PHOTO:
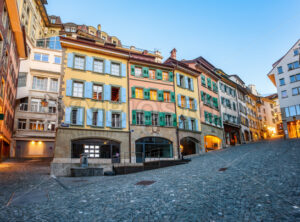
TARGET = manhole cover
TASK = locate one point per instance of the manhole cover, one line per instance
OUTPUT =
(223, 169)
(145, 182)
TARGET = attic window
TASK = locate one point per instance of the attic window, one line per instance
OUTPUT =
(115, 42)
(53, 21)
(115, 94)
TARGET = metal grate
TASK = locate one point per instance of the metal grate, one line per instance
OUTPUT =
(145, 182)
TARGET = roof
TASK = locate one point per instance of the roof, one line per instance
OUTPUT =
(272, 96)
(181, 65)
(236, 76)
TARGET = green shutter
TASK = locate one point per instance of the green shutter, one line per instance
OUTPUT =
(132, 70)
(209, 83)
(133, 117)
(146, 93)
(132, 92)
(210, 117)
(174, 120)
(162, 119)
(208, 99)
(216, 120)
(171, 76)
(145, 71)
(172, 97)
(158, 74)
(202, 96)
(160, 95)
(148, 120)
(203, 80)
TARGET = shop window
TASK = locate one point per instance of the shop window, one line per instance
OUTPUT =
(115, 94)
(97, 92)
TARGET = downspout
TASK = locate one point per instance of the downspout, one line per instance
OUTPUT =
(128, 69)
(177, 130)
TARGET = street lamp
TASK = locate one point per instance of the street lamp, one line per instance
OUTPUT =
(294, 118)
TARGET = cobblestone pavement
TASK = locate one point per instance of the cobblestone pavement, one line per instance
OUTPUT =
(261, 183)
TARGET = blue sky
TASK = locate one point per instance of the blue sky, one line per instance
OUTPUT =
(240, 37)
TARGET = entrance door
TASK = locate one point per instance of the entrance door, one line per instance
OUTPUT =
(140, 153)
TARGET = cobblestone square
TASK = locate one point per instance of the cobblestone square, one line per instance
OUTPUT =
(258, 182)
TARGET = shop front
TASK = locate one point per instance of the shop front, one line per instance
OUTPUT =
(232, 135)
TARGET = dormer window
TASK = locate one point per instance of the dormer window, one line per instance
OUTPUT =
(53, 21)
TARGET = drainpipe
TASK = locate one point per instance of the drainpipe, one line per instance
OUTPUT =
(177, 131)
(128, 69)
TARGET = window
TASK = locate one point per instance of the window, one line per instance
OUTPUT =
(165, 76)
(21, 123)
(115, 94)
(52, 106)
(53, 20)
(139, 93)
(139, 118)
(281, 81)
(79, 62)
(36, 105)
(74, 116)
(234, 106)
(295, 91)
(73, 29)
(292, 110)
(293, 65)
(167, 97)
(154, 119)
(50, 126)
(203, 83)
(116, 120)
(4, 17)
(78, 89)
(97, 92)
(279, 69)
(22, 79)
(168, 118)
(36, 125)
(296, 52)
(24, 104)
(189, 83)
(181, 80)
(98, 66)
(293, 79)
(265, 118)
(95, 118)
(39, 83)
(138, 72)
(183, 102)
(284, 94)
(153, 94)
(115, 69)
(93, 151)
(54, 85)
(152, 74)
(193, 124)
(57, 59)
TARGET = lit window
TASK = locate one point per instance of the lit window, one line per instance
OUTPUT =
(192, 104)
(167, 97)
(98, 66)
(138, 72)
(152, 74)
(78, 89)
(153, 94)
(97, 92)
(116, 121)
(115, 69)
(79, 62)
(36, 125)
(139, 93)
(165, 76)
(183, 102)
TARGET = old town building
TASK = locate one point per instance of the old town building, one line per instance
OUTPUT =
(210, 115)
(285, 76)
(12, 49)
(229, 109)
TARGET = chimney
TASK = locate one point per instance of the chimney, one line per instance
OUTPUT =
(99, 27)
(173, 53)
